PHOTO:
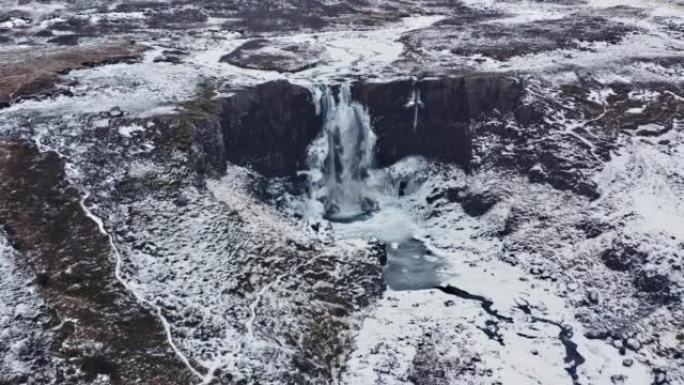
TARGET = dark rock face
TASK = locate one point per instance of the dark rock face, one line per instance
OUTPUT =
(431, 117)
(593, 228)
(269, 127)
(623, 257)
(652, 283)
(473, 203)
(45, 222)
(71, 39)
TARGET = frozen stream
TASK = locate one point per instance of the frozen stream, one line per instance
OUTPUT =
(410, 264)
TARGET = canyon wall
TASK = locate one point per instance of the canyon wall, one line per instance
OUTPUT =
(270, 126)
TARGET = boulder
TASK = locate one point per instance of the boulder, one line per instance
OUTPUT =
(650, 282)
(473, 203)
(623, 256)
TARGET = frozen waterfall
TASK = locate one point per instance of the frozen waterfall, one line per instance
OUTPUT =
(340, 159)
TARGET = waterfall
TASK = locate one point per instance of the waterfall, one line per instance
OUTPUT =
(341, 158)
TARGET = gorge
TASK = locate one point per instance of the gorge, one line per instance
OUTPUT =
(322, 192)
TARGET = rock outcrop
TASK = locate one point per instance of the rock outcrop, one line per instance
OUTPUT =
(431, 117)
(269, 127)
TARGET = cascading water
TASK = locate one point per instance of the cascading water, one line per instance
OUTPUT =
(343, 156)
(362, 202)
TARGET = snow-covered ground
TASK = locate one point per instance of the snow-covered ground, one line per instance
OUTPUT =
(245, 289)
(409, 326)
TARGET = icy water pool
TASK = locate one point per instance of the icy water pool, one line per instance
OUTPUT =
(410, 264)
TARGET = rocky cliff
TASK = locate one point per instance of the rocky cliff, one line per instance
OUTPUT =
(269, 127)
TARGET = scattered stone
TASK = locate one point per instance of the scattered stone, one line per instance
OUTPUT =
(510, 258)
(633, 344)
(618, 344)
(474, 204)
(652, 129)
(592, 228)
(65, 40)
(660, 377)
(170, 56)
(115, 112)
(593, 297)
(537, 173)
(651, 282)
(622, 256)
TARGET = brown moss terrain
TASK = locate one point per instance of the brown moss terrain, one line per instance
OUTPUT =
(102, 327)
(26, 72)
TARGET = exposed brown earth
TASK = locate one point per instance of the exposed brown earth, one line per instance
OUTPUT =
(101, 325)
(26, 72)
